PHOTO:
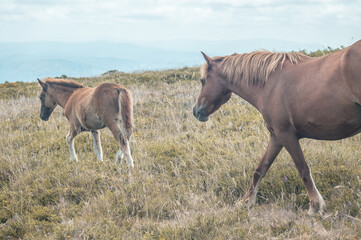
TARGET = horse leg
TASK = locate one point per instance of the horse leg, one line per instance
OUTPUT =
(124, 148)
(119, 156)
(70, 140)
(273, 149)
(292, 145)
(97, 144)
(124, 145)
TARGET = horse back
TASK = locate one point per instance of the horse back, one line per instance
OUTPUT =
(313, 99)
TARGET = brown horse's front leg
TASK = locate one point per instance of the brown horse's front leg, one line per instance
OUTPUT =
(291, 143)
(273, 149)
(97, 144)
(70, 140)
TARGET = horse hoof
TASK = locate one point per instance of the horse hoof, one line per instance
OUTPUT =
(249, 201)
(316, 207)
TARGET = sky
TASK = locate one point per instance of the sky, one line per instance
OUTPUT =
(327, 22)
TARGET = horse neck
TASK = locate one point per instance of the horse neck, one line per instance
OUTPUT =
(61, 95)
(250, 93)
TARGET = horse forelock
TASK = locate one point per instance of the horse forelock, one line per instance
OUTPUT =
(254, 67)
(204, 70)
(205, 66)
(63, 83)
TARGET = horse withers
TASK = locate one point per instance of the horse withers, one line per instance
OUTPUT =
(298, 97)
(90, 109)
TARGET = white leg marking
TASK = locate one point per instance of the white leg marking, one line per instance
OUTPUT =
(119, 156)
(250, 200)
(317, 203)
(128, 156)
(97, 146)
(71, 148)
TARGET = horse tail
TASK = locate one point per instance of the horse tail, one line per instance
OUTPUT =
(126, 110)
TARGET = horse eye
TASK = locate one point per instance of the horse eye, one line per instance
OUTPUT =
(202, 81)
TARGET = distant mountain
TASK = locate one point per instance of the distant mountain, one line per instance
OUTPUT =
(31, 60)
(28, 61)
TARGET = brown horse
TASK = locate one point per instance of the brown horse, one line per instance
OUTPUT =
(298, 97)
(90, 109)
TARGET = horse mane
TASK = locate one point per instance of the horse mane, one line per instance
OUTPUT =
(63, 83)
(255, 67)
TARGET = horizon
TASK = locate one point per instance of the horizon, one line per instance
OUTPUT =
(27, 61)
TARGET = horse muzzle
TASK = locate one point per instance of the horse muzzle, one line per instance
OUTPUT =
(44, 118)
(45, 113)
(199, 113)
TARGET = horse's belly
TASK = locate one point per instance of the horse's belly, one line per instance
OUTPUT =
(330, 130)
(92, 121)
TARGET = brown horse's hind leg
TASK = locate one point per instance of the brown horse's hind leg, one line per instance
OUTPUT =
(291, 143)
(125, 149)
(269, 156)
(123, 144)
(97, 144)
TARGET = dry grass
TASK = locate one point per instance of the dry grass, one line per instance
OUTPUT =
(187, 179)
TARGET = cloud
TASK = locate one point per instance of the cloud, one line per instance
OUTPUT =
(133, 19)
(200, 11)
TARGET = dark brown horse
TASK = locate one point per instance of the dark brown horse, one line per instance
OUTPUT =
(90, 109)
(298, 97)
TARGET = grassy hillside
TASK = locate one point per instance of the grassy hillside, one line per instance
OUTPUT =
(187, 179)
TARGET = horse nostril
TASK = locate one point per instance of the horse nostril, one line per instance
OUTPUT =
(194, 111)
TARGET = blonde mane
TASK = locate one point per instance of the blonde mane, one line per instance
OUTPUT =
(63, 83)
(254, 67)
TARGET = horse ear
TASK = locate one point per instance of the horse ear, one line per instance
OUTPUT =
(208, 59)
(43, 84)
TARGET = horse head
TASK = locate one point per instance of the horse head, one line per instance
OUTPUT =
(214, 92)
(47, 102)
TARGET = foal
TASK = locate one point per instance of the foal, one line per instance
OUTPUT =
(90, 109)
